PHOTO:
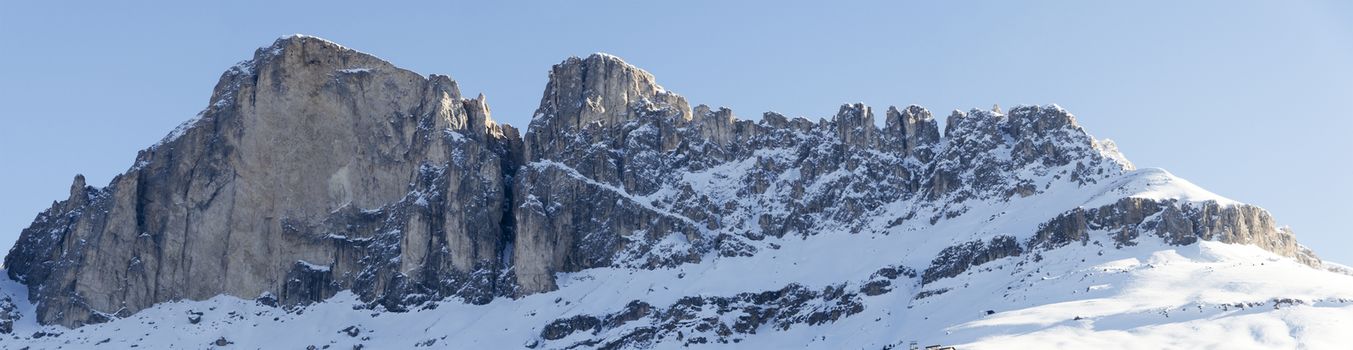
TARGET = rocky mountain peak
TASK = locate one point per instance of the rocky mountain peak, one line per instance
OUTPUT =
(913, 127)
(598, 92)
(855, 125)
(301, 57)
(590, 110)
(77, 187)
(313, 50)
(1051, 128)
(602, 89)
(1025, 120)
(718, 126)
(318, 169)
(305, 134)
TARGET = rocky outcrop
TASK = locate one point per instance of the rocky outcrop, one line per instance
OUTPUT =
(1179, 223)
(592, 147)
(9, 313)
(699, 320)
(954, 260)
(1124, 223)
(317, 169)
(912, 132)
(310, 154)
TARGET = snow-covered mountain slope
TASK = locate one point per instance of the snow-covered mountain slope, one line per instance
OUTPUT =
(834, 290)
(1150, 296)
(326, 197)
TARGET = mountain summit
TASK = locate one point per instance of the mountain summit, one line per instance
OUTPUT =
(322, 180)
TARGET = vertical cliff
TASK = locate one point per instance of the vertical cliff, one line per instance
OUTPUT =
(288, 185)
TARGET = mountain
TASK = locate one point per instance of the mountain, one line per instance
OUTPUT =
(326, 198)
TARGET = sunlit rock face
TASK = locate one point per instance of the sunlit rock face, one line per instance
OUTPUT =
(317, 169)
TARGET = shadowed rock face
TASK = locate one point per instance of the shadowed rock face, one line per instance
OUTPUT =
(317, 169)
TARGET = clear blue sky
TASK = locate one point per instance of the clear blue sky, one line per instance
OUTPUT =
(1250, 99)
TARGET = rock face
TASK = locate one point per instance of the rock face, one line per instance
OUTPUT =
(8, 314)
(317, 169)
(640, 325)
(1178, 223)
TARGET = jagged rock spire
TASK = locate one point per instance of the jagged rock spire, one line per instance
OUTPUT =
(855, 125)
(913, 127)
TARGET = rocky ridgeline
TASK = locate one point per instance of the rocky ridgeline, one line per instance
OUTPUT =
(317, 169)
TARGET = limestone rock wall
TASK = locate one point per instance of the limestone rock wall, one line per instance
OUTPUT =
(305, 136)
(317, 169)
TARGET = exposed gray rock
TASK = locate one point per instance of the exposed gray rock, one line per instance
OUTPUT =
(912, 131)
(698, 320)
(318, 169)
(310, 153)
(1178, 223)
(596, 142)
(956, 259)
(8, 314)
